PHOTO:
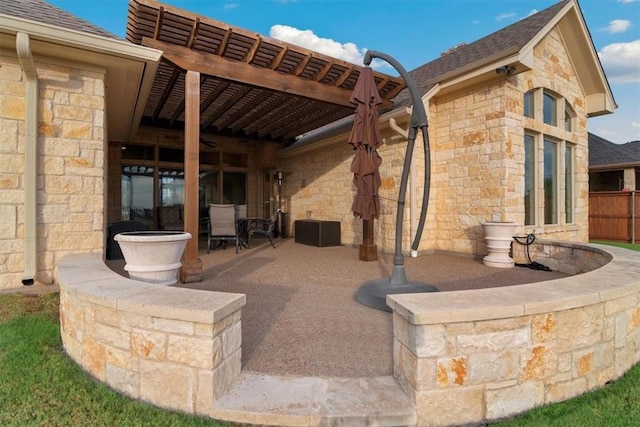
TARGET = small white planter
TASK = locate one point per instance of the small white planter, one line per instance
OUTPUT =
(499, 236)
(153, 256)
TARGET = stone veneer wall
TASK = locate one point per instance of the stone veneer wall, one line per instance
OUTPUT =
(472, 356)
(172, 347)
(70, 184)
(319, 186)
(477, 151)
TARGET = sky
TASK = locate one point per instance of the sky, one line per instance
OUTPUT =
(415, 32)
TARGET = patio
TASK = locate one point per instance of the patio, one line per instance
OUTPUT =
(301, 317)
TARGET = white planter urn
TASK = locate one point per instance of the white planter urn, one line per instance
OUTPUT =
(499, 236)
(153, 256)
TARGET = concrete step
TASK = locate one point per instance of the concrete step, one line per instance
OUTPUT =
(315, 401)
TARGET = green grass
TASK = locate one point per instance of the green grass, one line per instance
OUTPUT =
(635, 247)
(40, 385)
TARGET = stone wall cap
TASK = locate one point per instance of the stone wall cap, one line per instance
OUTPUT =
(618, 278)
(87, 274)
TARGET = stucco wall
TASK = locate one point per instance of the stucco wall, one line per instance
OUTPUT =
(71, 134)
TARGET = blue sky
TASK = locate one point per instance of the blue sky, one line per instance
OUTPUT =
(415, 32)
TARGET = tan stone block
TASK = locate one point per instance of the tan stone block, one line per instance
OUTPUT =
(618, 305)
(124, 381)
(72, 112)
(226, 373)
(130, 321)
(173, 326)
(87, 101)
(543, 328)
(148, 345)
(452, 406)
(565, 390)
(493, 367)
(451, 371)
(231, 339)
(77, 130)
(110, 336)
(118, 357)
(15, 89)
(167, 385)
(539, 362)
(61, 148)
(12, 107)
(12, 164)
(94, 358)
(195, 352)
(580, 327)
(509, 401)
(8, 222)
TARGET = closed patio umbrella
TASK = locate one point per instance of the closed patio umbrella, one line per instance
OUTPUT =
(365, 138)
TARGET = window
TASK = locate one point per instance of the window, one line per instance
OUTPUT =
(529, 104)
(549, 159)
(529, 180)
(568, 182)
(550, 182)
(569, 114)
(550, 110)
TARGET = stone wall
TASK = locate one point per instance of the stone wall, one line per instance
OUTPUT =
(473, 356)
(477, 160)
(172, 347)
(70, 184)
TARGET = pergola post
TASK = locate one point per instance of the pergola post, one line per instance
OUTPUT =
(191, 270)
(368, 249)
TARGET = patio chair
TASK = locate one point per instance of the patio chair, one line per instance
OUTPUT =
(222, 226)
(263, 227)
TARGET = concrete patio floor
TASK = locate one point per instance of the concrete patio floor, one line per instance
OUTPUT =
(301, 317)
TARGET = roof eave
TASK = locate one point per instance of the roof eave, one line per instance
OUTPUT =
(130, 68)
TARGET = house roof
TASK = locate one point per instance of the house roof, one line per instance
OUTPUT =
(512, 46)
(504, 42)
(40, 11)
(605, 154)
(55, 33)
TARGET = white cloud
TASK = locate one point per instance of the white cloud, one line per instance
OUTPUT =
(621, 62)
(504, 16)
(307, 39)
(635, 125)
(230, 6)
(617, 26)
(533, 12)
(627, 1)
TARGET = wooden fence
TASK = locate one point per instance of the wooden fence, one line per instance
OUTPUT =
(615, 215)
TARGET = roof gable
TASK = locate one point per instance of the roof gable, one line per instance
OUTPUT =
(513, 46)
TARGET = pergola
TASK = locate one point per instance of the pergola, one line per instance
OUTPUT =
(216, 79)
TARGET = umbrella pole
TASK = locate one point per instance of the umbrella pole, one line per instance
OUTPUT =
(368, 249)
(374, 293)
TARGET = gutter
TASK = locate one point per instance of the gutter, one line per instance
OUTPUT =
(23, 49)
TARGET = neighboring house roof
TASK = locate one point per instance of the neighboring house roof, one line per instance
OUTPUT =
(604, 154)
(41, 11)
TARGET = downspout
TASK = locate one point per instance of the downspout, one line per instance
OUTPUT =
(412, 185)
(23, 49)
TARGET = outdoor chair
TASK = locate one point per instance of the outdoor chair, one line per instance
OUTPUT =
(263, 227)
(222, 226)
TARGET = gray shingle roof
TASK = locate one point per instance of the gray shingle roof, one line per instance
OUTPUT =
(41, 11)
(603, 152)
(511, 38)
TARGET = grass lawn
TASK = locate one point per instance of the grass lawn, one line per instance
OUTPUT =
(635, 247)
(40, 385)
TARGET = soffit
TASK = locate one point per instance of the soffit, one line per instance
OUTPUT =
(251, 86)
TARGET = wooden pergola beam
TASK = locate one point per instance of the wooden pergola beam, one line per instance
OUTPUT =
(220, 67)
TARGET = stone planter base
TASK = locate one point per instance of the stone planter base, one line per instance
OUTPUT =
(499, 236)
(153, 256)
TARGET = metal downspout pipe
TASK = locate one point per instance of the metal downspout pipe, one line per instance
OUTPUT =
(412, 185)
(23, 50)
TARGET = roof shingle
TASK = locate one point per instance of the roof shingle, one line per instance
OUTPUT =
(43, 12)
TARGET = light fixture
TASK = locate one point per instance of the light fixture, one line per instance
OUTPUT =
(506, 69)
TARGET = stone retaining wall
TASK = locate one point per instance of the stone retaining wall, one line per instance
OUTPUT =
(472, 356)
(172, 347)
